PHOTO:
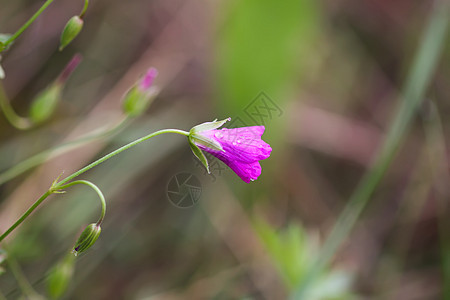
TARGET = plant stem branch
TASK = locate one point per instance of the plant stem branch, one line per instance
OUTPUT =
(59, 185)
(12, 117)
(96, 189)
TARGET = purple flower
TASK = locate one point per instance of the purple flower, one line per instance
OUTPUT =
(239, 148)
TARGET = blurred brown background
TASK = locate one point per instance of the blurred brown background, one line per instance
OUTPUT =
(323, 77)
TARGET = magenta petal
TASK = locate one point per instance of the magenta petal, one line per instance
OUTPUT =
(243, 149)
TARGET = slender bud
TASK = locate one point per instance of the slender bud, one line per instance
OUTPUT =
(87, 238)
(72, 29)
(140, 96)
(45, 103)
(60, 277)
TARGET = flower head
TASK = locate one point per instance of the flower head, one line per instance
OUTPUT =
(239, 148)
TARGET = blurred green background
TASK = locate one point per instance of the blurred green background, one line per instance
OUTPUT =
(323, 77)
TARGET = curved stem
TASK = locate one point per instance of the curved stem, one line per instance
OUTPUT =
(28, 23)
(121, 149)
(83, 12)
(45, 155)
(56, 186)
(12, 117)
(96, 189)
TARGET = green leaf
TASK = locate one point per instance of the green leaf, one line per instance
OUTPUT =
(199, 154)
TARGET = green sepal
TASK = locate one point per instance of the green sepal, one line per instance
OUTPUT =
(87, 238)
(209, 125)
(70, 31)
(199, 154)
(204, 141)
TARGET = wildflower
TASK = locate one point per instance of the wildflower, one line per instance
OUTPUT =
(239, 148)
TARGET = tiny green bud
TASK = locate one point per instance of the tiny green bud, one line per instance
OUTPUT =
(72, 29)
(140, 96)
(87, 238)
(45, 103)
(60, 277)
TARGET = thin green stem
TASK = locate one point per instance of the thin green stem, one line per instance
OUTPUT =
(423, 67)
(121, 149)
(12, 117)
(28, 23)
(25, 215)
(96, 189)
(57, 186)
(45, 155)
(83, 12)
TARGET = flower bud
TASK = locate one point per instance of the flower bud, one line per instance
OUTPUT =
(87, 238)
(140, 96)
(60, 277)
(45, 103)
(72, 29)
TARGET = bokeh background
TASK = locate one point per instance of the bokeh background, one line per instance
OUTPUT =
(324, 77)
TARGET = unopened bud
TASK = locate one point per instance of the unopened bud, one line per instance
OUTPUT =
(72, 29)
(45, 103)
(87, 238)
(60, 277)
(140, 96)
